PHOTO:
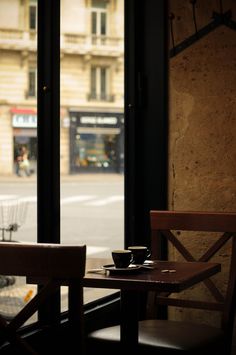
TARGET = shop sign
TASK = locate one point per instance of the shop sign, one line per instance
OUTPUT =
(24, 120)
(98, 120)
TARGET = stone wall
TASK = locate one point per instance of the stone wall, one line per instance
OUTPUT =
(202, 144)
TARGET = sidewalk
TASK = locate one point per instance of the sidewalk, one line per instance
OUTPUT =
(93, 177)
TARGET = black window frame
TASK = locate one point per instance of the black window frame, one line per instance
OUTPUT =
(146, 122)
(48, 132)
(146, 115)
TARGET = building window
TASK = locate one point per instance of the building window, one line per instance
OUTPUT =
(99, 84)
(33, 15)
(32, 82)
(99, 21)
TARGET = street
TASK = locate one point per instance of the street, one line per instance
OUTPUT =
(92, 211)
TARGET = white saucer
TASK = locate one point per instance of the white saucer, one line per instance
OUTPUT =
(148, 262)
(131, 268)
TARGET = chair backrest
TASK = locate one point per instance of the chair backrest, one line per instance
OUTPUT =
(53, 265)
(170, 224)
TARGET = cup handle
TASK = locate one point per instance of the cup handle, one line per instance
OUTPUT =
(148, 253)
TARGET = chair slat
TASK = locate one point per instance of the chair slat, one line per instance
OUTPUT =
(31, 307)
(194, 221)
(190, 304)
(178, 245)
(50, 260)
(216, 247)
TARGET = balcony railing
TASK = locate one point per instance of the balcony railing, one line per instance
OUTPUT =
(17, 39)
(87, 44)
(100, 97)
(70, 43)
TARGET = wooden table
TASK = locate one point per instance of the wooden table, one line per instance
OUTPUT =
(185, 275)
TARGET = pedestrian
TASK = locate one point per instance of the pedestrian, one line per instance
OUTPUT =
(22, 162)
(18, 161)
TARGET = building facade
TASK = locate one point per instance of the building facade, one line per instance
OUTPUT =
(92, 84)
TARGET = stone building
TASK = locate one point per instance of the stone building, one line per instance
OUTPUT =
(92, 93)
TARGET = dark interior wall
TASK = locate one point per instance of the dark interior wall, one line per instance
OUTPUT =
(202, 128)
(202, 147)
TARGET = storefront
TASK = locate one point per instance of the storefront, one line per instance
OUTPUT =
(96, 142)
(24, 124)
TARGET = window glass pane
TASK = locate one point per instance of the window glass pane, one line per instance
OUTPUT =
(103, 72)
(18, 140)
(94, 23)
(100, 4)
(32, 17)
(32, 82)
(96, 150)
(92, 131)
(103, 23)
(93, 82)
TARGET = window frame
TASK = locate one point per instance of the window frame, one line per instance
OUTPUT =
(146, 96)
(96, 83)
(146, 140)
(97, 13)
(48, 132)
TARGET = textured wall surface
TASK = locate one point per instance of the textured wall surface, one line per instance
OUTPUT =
(202, 144)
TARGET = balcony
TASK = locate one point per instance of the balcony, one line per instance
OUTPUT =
(100, 97)
(92, 45)
(14, 39)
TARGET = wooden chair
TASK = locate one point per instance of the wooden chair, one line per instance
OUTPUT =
(54, 265)
(161, 336)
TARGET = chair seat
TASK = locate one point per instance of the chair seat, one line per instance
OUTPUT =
(166, 336)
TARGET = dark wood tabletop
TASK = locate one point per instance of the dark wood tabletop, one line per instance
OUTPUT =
(167, 276)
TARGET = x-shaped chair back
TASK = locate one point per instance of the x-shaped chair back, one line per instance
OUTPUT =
(165, 224)
(56, 265)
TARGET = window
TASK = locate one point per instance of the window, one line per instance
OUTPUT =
(92, 212)
(33, 15)
(99, 84)
(92, 134)
(19, 140)
(99, 21)
(32, 82)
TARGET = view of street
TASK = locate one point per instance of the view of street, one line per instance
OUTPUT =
(92, 213)
(92, 210)
(91, 119)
